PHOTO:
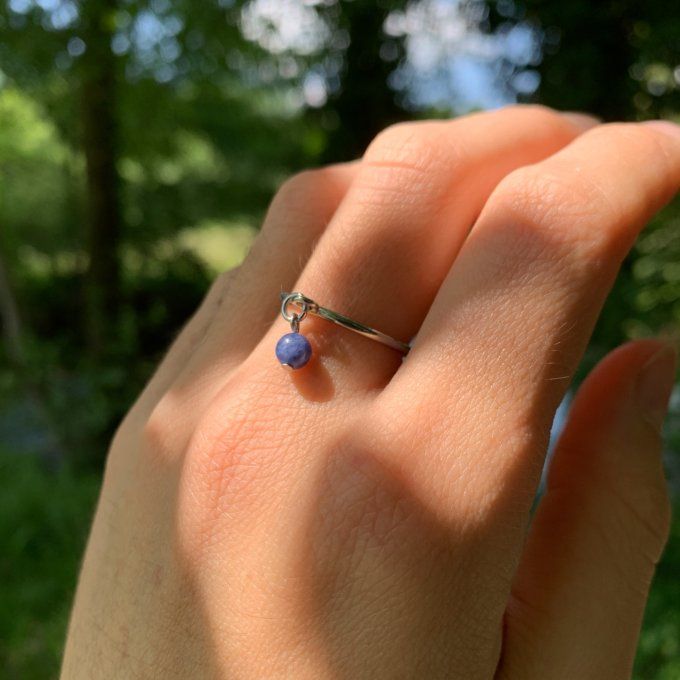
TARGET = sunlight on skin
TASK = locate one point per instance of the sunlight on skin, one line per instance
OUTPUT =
(367, 518)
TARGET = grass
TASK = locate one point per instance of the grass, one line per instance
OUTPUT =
(44, 519)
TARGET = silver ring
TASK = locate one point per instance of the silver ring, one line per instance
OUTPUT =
(308, 306)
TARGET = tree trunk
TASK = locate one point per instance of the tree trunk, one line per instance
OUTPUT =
(98, 101)
(11, 324)
(365, 104)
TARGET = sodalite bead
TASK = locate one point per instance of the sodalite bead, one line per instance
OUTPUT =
(293, 350)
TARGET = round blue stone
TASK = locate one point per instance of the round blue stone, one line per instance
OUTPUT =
(293, 350)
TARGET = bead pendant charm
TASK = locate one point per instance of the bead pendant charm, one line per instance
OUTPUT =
(293, 351)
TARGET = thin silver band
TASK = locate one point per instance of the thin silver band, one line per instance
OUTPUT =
(308, 306)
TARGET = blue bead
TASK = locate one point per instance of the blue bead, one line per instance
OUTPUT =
(293, 350)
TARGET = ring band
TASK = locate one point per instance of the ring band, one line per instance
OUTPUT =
(293, 350)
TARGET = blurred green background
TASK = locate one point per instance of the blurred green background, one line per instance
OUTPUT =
(140, 143)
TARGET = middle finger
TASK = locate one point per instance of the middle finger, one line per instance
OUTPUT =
(511, 321)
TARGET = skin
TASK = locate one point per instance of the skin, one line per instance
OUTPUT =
(368, 518)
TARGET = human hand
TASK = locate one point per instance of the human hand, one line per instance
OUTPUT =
(367, 518)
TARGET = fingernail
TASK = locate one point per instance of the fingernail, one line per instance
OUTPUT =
(666, 126)
(583, 121)
(655, 384)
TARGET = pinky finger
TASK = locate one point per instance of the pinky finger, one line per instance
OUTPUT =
(582, 585)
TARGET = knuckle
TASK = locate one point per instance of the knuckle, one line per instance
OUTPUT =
(390, 138)
(308, 198)
(221, 286)
(158, 428)
(539, 195)
(569, 208)
(233, 452)
(230, 461)
(407, 160)
(409, 146)
(540, 117)
(638, 140)
(296, 193)
(223, 280)
(218, 288)
(644, 149)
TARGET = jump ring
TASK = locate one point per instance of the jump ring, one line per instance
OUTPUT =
(291, 298)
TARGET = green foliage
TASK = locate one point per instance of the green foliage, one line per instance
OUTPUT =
(160, 291)
(44, 518)
(34, 161)
(658, 656)
(656, 272)
(207, 119)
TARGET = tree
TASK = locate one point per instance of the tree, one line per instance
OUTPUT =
(99, 104)
(364, 103)
(615, 58)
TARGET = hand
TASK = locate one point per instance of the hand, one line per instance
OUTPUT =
(364, 518)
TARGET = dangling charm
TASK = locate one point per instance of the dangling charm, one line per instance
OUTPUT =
(293, 349)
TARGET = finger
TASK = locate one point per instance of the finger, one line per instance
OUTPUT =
(237, 310)
(580, 592)
(391, 242)
(298, 216)
(510, 323)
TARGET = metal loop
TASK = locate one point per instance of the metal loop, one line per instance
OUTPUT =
(294, 318)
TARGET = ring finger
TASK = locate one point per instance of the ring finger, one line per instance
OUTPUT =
(510, 324)
(235, 314)
(395, 235)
